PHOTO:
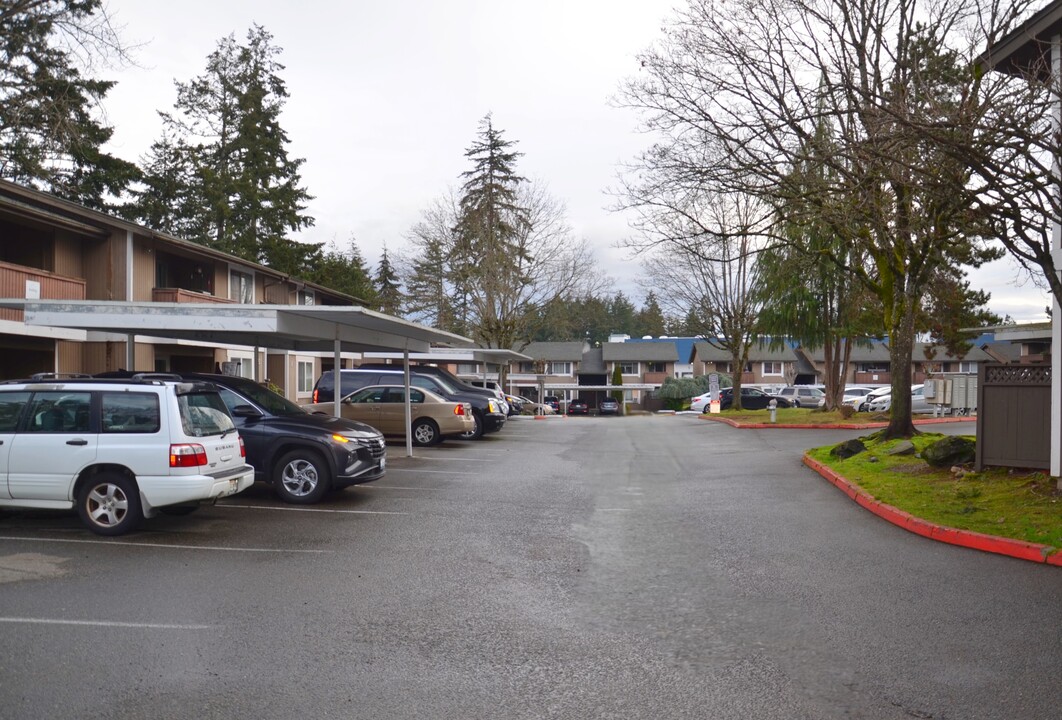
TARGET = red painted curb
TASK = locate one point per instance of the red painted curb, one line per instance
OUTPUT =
(1034, 552)
(810, 426)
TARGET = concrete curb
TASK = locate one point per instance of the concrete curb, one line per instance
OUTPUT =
(818, 426)
(1021, 549)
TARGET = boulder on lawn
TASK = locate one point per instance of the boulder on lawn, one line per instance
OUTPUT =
(904, 447)
(847, 449)
(954, 450)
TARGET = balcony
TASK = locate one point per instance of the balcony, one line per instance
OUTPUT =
(13, 279)
(655, 378)
(179, 295)
(877, 377)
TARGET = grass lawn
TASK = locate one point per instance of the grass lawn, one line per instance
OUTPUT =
(1023, 505)
(802, 416)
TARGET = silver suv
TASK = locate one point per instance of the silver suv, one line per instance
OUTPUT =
(802, 396)
(118, 451)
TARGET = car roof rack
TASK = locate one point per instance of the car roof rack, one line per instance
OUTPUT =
(38, 377)
(157, 376)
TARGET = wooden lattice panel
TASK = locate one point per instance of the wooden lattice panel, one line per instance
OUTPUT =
(1018, 375)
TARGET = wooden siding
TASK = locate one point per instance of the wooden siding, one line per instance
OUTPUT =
(53, 287)
(177, 295)
(143, 271)
(69, 258)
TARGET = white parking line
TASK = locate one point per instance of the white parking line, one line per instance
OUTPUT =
(125, 543)
(392, 468)
(395, 487)
(458, 459)
(311, 510)
(103, 623)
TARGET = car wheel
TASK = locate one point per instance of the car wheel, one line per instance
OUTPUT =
(109, 504)
(477, 432)
(426, 432)
(301, 477)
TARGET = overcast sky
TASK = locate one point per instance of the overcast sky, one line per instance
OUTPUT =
(386, 96)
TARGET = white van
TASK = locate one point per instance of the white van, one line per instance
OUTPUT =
(118, 451)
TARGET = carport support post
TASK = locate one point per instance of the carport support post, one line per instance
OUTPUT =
(337, 380)
(409, 412)
(1056, 315)
(130, 352)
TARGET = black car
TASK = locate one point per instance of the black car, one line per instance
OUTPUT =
(751, 399)
(608, 406)
(578, 407)
(553, 401)
(487, 411)
(302, 455)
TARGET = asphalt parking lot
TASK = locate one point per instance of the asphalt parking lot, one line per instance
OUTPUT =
(637, 567)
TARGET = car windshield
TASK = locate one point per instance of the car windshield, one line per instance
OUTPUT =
(264, 398)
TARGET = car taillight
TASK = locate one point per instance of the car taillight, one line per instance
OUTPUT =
(189, 455)
(459, 409)
(243, 450)
(315, 395)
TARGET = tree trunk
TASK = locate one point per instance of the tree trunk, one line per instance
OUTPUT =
(901, 347)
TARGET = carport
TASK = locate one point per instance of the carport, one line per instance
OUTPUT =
(310, 328)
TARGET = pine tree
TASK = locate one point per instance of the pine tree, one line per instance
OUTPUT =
(223, 166)
(50, 137)
(388, 286)
(650, 319)
(344, 271)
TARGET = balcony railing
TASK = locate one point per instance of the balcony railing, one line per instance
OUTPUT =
(878, 378)
(180, 295)
(13, 280)
(655, 377)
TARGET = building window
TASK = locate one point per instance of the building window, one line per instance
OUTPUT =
(772, 368)
(305, 372)
(559, 368)
(240, 366)
(305, 297)
(730, 368)
(468, 369)
(526, 368)
(241, 287)
(628, 368)
(656, 367)
(873, 367)
(967, 367)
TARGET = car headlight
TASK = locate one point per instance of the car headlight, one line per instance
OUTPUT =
(491, 407)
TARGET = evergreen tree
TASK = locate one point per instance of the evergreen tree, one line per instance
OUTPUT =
(223, 166)
(650, 319)
(388, 287)
(344, 271)
(490, 251)
(429, 300)
(50, 135)
(621, 313)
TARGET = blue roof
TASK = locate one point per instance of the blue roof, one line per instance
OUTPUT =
(684, 345)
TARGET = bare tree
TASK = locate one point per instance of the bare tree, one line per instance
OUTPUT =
(739, 92)
(496, 304)
(712, 275)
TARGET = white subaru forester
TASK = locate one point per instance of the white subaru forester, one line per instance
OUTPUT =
(117, 450)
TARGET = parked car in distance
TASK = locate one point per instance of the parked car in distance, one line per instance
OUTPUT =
(751, 399)
(700, 402)
(853, 391)
(384, 408)
(578, 407)
(118, 450)
(448, 378)
(862, 403)
(489, 413)
(919, 404)
(802, 396)
(301, 454)
(553, 401)
(516, 405)
(608, 406)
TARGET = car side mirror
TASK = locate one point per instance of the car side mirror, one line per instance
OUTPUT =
(246, 411)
